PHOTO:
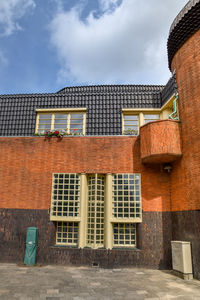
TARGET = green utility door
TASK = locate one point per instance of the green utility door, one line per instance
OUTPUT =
(31, 246)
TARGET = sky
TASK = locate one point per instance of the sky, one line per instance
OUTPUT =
(46, 45)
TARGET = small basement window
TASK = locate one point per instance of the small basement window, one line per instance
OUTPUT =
(67, 233)
(124, 235)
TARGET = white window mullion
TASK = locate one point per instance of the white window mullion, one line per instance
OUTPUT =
(95, 212)
(84, 124)
(83, 212)
(37, 123)
(68, 123)
(141, 119)
(108, 239)
(52, 121)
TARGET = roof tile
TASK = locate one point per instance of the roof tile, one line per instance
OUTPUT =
(104, 105)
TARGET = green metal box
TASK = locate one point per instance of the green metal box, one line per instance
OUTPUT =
(31, 246)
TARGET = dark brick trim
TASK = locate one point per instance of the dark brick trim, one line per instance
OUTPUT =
(154, 236)
(186, 227)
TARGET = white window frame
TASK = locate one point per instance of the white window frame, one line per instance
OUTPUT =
(68, 111)
(109, 220)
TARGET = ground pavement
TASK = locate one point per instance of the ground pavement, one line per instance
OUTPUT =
(92, 283)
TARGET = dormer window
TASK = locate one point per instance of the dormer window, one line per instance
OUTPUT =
(132, 120)
(151, 117)
(131, 124)
(61, 120)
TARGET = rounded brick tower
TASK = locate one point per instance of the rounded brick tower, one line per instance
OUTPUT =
(184, 58)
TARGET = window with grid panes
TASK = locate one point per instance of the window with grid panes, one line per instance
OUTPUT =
(126, 196)
(65, 207)
(61, 121)
(131, 124)
(126, 208)
(67, 233)
(151, 117)
(124, 234)
(65, 195)
(95, 230)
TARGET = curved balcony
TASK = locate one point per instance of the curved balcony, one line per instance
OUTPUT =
(160, 141)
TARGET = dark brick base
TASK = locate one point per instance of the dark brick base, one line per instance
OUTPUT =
(154, 236)
(186, 227)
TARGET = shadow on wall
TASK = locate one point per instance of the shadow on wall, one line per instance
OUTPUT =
(154, 234)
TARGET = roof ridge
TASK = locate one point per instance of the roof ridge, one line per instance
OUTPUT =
(184, 26)
(28, 94)
(114, 88)
(188, 6)
(85, 91)
(76, 93)
(111, 85)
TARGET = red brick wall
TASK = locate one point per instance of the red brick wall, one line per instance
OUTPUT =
(160, 141)
(27, 164)
(186, 173)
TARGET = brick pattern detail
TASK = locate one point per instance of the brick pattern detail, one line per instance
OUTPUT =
(27, 165)
(160, 141)
(186, 173)
(154, 236)
(185, 177)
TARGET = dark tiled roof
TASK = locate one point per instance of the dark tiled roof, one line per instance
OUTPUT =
(169, 89)
(182, 13)
(111, 89)
(185, 24)
(104, 106)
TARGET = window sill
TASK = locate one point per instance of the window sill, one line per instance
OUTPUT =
(126, 248)
(87, 248)
(63, 247)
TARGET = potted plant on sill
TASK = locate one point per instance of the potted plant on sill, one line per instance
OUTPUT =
(59, 134)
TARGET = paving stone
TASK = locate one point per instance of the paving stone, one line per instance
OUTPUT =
(2, 291)
(141, 292)
(95, 283)
(77, 283)
(52, 298)
(51, 291)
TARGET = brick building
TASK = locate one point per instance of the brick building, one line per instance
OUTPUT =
(124, 179)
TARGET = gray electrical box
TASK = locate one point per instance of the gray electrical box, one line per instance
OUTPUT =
(182, 259)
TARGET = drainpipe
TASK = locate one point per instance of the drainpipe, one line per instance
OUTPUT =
(174, 114)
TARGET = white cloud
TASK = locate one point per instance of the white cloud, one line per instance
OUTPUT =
(108, 5)
(3, 59)
(11, 11)
(125, 45)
